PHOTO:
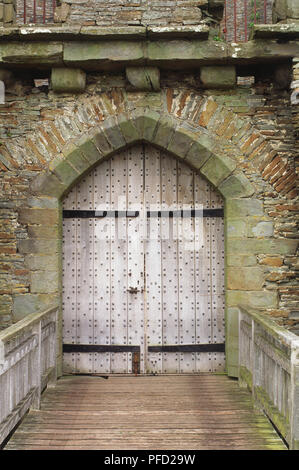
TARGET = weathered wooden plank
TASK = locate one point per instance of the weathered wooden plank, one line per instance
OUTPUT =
(101, 265)
(153, 312)
(186, 274)
(169, 263)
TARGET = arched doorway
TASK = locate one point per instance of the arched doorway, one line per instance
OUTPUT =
(143, 282)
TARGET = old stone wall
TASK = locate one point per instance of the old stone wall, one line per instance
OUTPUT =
(119, 12)
(253, 126)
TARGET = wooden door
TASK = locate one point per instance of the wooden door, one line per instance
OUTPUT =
(143, 268)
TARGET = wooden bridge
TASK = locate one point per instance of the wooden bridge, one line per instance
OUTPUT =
(202, 411)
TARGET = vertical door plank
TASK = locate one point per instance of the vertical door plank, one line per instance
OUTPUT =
(119, 306)
(85, 270)
(169, 262)
(186, 267)
(69, 282)
(135, 253)
(152, 198)
(202, 275)
(217, 281)
(101, 260)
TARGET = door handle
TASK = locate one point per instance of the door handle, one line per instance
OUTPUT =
(134, 290)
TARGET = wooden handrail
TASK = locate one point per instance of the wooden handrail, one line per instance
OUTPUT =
(269, 367)
(27, 366)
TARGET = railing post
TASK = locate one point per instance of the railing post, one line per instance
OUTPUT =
(37, 367)
(294, 444)
(253, 360)
(53, 352)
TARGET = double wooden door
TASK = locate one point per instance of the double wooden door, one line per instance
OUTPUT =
(143, 268)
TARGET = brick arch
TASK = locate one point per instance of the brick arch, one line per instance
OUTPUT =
(222, 131)
(192, 145)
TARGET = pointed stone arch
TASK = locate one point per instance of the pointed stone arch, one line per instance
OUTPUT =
(192, 145)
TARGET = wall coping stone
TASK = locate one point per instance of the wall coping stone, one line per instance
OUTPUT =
(96, 51)
(276, 31)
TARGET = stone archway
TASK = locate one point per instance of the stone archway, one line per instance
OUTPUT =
(194, 147)
(226, 150)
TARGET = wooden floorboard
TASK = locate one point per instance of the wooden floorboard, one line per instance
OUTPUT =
(199, 412)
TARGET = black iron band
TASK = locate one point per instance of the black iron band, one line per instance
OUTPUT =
(188, 348)
(99, 348)
(184, 213)
(113, 348)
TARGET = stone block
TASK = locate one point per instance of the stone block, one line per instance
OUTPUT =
(128, 130)
(77, 160)
(236, 227)
(68, 80)
(249, 278)
(267, 246)
(89, 149)
(164, 131)
(42, 262)
(43, 202)
(8, 13)
(24, 304)
(241, 260)
(232, 322)
(64, 171)
(101, 143)
(39, 216)
(49, 185)
(32, 53)
(78, 53)
(252, 299)
(34, 245)
(214, 76)
(113, 133)
(143, 78)
(197, 155)
(44, 282)
(145, 123)
(181, 142)
(217, 168)
(236, 186)
(243, 207)
(43, 231)
(283, 9)
(260, 229)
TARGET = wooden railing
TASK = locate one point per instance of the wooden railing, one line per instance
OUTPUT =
(27, 366)
(269, 367)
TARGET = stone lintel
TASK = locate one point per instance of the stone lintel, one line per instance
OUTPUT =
(116, 54)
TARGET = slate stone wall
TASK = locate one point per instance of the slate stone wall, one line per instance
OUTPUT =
(119, 12)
